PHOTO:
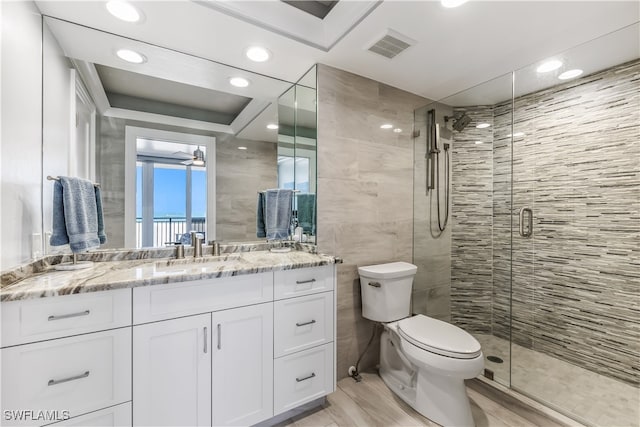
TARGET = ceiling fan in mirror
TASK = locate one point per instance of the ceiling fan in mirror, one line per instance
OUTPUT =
(195, 159)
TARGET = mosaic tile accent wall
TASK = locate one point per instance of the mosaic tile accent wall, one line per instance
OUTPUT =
(576, 281)
(472, 219)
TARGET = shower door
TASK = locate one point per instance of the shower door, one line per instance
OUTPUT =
(576, 238)
(540, 257)
(464, 268)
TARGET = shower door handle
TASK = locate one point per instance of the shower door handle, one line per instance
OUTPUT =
(529, 229)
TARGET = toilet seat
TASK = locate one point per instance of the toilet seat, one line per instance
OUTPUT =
(439, 337)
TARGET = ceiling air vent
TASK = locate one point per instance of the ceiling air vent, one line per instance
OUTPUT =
(391, 44)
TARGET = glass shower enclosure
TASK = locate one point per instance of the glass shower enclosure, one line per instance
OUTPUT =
(538, 177)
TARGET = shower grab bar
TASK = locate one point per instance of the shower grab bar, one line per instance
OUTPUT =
(529, 230)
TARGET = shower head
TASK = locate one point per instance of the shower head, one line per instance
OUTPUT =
(461, 122)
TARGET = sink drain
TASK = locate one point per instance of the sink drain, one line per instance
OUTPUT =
(494, 359)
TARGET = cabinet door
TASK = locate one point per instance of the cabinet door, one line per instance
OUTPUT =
(172, 372)
(243, 365)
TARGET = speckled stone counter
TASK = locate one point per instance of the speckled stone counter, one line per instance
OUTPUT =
(129, 273)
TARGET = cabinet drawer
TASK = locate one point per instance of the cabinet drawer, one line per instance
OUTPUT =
(303, 281)
(55, 317)
(114, 416)
(77, 374)
(160, 302)
(302, 377)
(303, 322)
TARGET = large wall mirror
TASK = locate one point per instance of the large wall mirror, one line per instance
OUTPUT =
(297, 150)
(173, 143)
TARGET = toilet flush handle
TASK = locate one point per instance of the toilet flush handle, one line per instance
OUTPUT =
(375, 284)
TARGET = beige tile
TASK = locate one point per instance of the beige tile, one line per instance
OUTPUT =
(345, 411)
(375, 398)
(439, 301)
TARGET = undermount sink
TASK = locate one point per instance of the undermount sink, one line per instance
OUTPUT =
(205, 261)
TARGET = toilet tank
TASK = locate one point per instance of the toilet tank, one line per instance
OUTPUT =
(386, 290)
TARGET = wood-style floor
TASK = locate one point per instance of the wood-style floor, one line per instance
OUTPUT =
(370, 403)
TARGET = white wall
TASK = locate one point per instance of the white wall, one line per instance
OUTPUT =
(21, 139)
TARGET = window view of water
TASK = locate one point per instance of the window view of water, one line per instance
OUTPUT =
(171, 205)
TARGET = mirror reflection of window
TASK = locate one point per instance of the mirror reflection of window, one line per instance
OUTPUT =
(171, 193)
(173, 212)
(293, 173)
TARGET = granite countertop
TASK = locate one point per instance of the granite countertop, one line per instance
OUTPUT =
(108, 275)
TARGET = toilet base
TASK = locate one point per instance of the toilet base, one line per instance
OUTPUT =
(443, 400)
(440, 398)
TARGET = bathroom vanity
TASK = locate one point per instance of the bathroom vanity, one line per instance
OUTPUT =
(234, 340)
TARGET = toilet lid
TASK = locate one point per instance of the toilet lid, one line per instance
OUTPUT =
(439, 337)
(390, 270)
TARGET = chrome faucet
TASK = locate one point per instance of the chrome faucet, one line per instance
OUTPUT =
(196, 243)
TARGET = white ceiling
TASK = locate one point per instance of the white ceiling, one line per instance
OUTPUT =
(456, 48)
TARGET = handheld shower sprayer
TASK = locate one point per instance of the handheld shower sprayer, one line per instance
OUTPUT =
(436, 131)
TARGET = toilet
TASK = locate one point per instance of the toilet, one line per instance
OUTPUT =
(422, 360)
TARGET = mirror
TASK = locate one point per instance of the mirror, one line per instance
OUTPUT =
(297, 150)
(129, 126)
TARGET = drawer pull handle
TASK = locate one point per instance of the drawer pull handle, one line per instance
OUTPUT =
(375, 284)
(205, 340)
(306, 378)
(310, 322)
(219, 336)
(65, 380)
(302, 282)
(67, 316)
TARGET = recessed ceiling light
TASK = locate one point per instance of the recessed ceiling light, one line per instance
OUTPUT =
(386, 126)
(272, 126)
(258, 54)
(397, 130)
(452, 3)
(123, 10)
(482, 125)
(478, 142)
(131, 56)
(517, 134)
(554, 64)
(239, 82)
(570, 74)
(242, 148)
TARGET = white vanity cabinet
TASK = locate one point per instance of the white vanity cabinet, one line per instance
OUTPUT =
(304, 331)
(224, 351)
(172, 372)
(242, 365)
(234, 337)
(65, 357)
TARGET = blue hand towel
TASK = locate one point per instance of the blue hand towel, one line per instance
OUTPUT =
(277, 213)
(59, 235)
(75, 215)
(101, 234)
(260, 228)
(307, 212)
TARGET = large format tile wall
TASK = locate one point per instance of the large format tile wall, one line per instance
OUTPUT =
(365, 191)
(576, 283)
(239, 175)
